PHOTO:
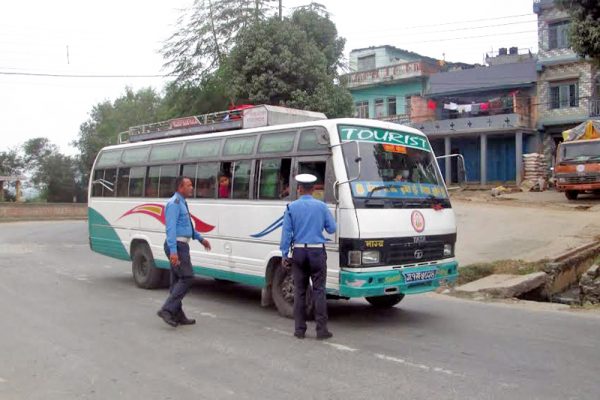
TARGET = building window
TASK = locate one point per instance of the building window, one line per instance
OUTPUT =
(362, 109)
(564, 95)
(407, 101)
(366, 63)
(558, 34)
(391, 101)
(379, 108)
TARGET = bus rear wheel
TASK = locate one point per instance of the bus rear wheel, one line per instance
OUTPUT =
(283, 293)
(145, 273)
(385, 301)
(571, 194)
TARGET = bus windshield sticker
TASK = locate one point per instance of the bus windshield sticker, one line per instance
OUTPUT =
(394, 148)
(376, 135)
(396, 189)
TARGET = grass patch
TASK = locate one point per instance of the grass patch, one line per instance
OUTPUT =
(476, 271)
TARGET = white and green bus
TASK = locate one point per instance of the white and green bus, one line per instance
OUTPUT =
(396, 227)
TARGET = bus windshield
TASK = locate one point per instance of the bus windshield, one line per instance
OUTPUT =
(394, 166)
(579, 151)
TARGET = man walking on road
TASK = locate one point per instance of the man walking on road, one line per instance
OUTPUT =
(180, 230)
(303, 225)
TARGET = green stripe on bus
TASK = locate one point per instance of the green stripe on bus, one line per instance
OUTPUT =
(103, 238)
(251, 280)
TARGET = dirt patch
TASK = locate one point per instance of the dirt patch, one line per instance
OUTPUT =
(477, 271)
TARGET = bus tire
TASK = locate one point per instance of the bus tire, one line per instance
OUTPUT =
(571, 194)
(145, 273)
(385, 301)
(283, 293)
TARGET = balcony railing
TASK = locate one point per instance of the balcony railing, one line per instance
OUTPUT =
(390, 73)
(403, 119)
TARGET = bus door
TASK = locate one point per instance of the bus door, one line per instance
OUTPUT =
(322, 168)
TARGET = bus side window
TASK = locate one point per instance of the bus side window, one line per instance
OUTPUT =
(241, 179)
(316, 168)
(152, 181)
(206, 180)
(123, 182)
(168, 175)
(275, 179)
(110, 175)
(136, 181)
(97, 187)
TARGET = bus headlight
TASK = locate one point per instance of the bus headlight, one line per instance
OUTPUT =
(354, 257)
(370, 257)
(447, 250)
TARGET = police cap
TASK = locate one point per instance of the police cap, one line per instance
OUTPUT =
(306, 179)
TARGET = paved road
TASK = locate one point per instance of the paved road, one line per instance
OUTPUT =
(75, 327)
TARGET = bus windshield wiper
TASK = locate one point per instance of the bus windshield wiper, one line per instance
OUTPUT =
(376, 188)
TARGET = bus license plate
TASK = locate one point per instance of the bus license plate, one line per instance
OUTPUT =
(420, 276)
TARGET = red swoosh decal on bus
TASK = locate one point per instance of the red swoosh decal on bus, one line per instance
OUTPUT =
(157, 211)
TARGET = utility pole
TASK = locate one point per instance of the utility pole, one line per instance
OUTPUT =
(280, 11)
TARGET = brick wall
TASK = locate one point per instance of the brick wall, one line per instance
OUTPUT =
(42, 211)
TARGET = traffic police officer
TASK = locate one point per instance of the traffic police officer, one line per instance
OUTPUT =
(180, 231)
(303, 225)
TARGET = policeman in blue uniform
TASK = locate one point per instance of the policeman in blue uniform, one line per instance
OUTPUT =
(180, 231)
(303, 225)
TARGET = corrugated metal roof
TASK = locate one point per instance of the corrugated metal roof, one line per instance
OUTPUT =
(483, 78)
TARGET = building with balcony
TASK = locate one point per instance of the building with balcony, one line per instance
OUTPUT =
(384, 79)
(568, 86)
(486, 114)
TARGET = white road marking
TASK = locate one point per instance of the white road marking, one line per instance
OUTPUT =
(275, 330)
(207, 314)
(419, 366)
(340, 347)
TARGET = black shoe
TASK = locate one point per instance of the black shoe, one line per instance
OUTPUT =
(299, 335)
(167, 317)
(184, 320)
(324, 335)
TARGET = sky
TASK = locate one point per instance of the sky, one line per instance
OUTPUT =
(123, 37)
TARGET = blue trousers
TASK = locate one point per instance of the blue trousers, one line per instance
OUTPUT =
(309, 263)
(182, 277)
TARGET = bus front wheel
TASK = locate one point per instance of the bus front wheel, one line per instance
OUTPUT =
(283, 293)
(385, 301)
(145, 273)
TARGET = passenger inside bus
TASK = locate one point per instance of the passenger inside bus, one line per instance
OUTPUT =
(224, 186)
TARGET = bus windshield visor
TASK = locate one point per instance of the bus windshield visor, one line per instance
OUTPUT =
(393, 164)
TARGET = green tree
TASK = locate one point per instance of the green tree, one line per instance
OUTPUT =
(11, 164)
(291, 63)
(207, 31)
(188, 99)
(108, 119)
(53, 173)
(584, 33)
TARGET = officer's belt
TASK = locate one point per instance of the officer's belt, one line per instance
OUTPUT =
(183, 239)
(305, 245)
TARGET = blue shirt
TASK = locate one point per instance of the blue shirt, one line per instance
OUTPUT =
(304, 221)
(177, 221)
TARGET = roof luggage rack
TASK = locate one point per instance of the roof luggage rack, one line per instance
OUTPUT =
(241, 117)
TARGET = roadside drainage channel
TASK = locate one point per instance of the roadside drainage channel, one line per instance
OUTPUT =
(571, 278)
(565, 273)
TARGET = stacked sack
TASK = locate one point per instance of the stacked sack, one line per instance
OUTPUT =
(536, 170)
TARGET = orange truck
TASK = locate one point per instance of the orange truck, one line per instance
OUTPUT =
(577, 168)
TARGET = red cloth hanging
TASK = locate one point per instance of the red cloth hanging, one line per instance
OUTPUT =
(431, 105)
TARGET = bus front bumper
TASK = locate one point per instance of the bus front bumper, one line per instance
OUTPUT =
(382, 283)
